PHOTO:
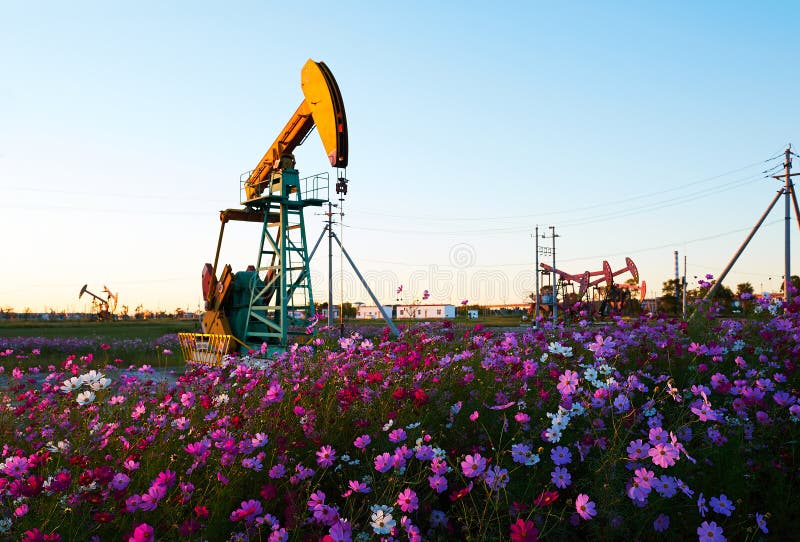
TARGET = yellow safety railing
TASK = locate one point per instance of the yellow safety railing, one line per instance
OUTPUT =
(206, 348)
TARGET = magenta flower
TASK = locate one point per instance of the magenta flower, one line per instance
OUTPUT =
(15, 467)
(710, 532)
(473, 465)
(384, 462)
(325, 456)
(585, 507)
(358, 487)
(523, 530)
(316, 499)
(397, 435)
(362, 442)
(247, 511)
(407, 500)
(142, 533)
(21, 510)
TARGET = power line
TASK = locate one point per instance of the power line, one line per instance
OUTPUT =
(517, 228)
(587, 207)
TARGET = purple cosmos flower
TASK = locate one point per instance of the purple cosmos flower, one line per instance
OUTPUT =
(710, 532)
(722, 505)
(661, 523)
(473, 465)
(561, 477)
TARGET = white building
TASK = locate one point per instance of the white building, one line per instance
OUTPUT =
(425, 312)
(366, 312)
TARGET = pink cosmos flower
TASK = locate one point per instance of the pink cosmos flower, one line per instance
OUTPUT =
(407, 500)
(664, 455)
(16, 467)
(142, 533)
(397, 435)
(316, 499)
(326, 456)
(585, 507)
(523, 530)
(358, 487)
(473, 465)
(710, 532)
(568, 382)
(384, 462)
(247, 511)
(362, 442)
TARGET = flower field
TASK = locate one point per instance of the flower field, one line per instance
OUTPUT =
(635, 429)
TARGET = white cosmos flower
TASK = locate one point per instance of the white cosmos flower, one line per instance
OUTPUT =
(382, 521)
(72, 384)
(93, 376)
(85, 397)
(100, 384)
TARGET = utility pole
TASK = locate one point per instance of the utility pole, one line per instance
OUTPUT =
(536, 272)
(684, 286)
(677, 284)
(555, 284)
(787, 190)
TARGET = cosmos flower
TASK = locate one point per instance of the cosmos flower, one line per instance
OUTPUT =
(710, 532)
(585, 507)
(473, 465)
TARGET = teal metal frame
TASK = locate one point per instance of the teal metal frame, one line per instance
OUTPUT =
(275, 302)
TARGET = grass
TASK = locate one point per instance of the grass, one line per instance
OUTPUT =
(123, 329)
(136, 342)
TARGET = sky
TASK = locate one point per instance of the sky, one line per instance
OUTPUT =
(634, 129)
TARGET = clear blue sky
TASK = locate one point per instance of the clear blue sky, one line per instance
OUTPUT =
(635, 129)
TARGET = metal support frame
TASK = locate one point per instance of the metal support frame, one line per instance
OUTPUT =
(386, 317)
(789, 194)
(277, 301)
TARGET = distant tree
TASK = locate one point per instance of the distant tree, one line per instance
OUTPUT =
(667, 302)
(349, 310)
(744, 288)
(795, 280)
